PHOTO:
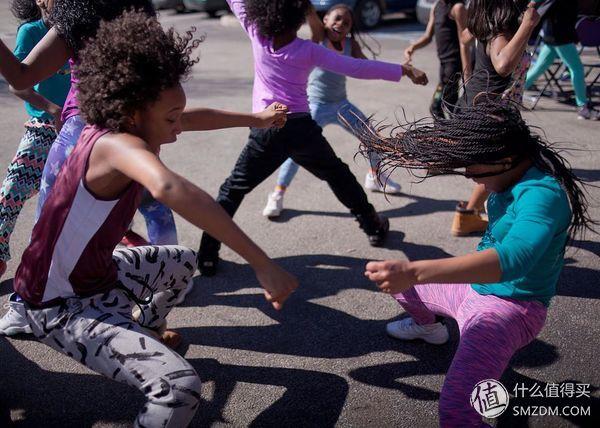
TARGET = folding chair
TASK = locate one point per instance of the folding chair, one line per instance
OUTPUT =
(552, 75)
(588, 31)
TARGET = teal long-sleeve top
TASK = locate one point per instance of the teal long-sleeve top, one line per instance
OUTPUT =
(528, 229)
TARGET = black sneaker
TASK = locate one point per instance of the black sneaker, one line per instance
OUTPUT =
(208, 255)
(375, 226)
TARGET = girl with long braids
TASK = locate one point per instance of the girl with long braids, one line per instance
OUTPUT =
(327, 97)
(501, 29)
(500, 293)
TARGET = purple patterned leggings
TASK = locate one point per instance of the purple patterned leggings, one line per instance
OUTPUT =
(491, 328)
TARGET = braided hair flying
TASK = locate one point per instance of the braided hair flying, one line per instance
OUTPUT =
(487, 133)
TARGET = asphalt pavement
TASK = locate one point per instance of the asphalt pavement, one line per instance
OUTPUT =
(324, 360)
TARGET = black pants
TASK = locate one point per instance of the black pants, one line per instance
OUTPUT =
(447, 90)
(302, 140)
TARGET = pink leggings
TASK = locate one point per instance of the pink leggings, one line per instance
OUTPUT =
(491, 328)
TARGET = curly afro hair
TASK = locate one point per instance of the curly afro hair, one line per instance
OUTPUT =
(275, 17)
(25, 10)
(76, 21)
(126, 67)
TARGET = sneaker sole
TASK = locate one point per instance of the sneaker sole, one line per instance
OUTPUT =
(387, 192)
(430, 341)
(271, 215)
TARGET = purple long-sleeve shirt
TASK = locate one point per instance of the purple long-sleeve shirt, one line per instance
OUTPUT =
(282, 75)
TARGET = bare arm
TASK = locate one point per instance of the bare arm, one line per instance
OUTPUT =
(41, 103)
(205, 119)
(317, 28)
(424, 40)
(505, 53)
(46, 58)
(131, 157)
(459, 14)
(398, 276)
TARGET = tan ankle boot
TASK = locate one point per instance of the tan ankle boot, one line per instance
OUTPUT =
(467, 222)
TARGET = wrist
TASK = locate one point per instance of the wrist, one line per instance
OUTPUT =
(413, 270)
(54, 110)
(256, 120)
(259, 260)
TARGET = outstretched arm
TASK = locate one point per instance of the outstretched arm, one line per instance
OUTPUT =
(205, 119)
(424, 40)
(41, 103)
(46, 58)
(130, 156)
(396, 276)
(364, 68)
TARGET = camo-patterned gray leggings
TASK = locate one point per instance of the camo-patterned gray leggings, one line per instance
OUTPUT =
(100, 333)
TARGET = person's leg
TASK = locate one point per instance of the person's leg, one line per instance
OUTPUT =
(23, 178)
(570, 56)
(100, 333)
(544, 60)
(159, 221)
(160, 276)
(264, 152)
(322, 113)
(311, 150)
(492, 330)
(58, 154)
(427, 304)
(352, 119)
(424, 302)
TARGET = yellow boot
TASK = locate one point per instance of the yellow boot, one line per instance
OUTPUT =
(467, 222)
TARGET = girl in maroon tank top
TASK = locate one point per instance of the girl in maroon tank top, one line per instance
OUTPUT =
(107, 308)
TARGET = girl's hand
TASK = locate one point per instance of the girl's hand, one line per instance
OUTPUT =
(57, 118)
(531, 17)
(392, 276)
(417, 76)
(277, 283)
(273, 116)
(408, 53)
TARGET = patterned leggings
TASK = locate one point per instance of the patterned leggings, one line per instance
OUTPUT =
(101, 334)
(159, 218)
(491, 328)
(23, 177)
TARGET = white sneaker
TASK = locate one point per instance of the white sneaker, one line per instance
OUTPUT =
(14, 321)
(389, 186)
(407, 329)
(274, 205)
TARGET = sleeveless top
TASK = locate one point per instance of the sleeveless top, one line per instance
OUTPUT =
(328, 87)
(446, 36)
(70, 252)
(485, 77)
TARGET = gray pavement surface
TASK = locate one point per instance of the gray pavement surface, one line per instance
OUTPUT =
(324, 360)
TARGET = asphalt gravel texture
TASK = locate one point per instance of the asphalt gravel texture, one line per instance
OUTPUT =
(324, 360)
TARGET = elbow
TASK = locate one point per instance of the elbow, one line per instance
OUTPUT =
(163, 188)
(504, 69)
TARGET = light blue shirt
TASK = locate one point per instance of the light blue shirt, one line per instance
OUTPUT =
(528, 229)
(56, 87)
